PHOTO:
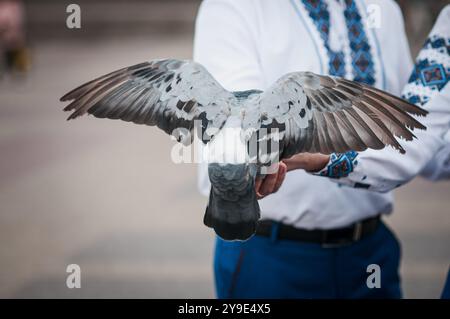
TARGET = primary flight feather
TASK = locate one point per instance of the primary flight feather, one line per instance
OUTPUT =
(310, 112)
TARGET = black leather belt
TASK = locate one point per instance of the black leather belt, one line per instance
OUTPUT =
(327, 238)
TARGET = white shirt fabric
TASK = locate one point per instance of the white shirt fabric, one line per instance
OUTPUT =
(430, 153)
(248, 44)
(439, 167)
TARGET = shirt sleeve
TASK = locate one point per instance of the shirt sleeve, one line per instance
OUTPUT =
(427, 87)
(225, 40)
(384, 170)
(439, 167)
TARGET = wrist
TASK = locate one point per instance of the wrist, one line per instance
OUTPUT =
(316, 162)
(308, 162)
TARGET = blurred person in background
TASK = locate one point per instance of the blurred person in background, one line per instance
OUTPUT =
(439, 166)
(14, 52)
(316, 238)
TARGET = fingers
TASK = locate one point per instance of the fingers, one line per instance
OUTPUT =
(271, 183)
(258, 184)
(282, 170)
(268, 184)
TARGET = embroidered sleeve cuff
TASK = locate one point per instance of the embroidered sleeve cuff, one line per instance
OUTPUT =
(340, 165)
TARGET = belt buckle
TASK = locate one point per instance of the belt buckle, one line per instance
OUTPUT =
(330, 244)
(357, 233)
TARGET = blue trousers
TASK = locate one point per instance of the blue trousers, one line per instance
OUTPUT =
(264, 267)
(446, 291)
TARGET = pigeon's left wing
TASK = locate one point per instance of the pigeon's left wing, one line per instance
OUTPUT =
(326, 114)
(170, 94)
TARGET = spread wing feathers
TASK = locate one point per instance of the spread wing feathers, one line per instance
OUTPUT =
(170, 94)
(325, 114)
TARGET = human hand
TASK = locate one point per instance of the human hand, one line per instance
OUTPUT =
(271, 182)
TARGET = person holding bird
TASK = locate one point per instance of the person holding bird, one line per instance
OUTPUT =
(316, 83)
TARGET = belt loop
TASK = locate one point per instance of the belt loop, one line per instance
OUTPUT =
(274, 230)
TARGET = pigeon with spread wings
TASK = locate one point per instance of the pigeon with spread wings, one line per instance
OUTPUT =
(310, 113)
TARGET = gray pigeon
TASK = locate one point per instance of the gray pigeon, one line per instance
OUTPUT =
(311, 113)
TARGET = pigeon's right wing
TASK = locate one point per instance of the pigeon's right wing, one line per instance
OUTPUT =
(322, 114)
(170, 94)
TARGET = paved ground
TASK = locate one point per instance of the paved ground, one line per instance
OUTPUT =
(106, 196)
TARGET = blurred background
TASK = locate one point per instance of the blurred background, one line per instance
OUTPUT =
(105, 195)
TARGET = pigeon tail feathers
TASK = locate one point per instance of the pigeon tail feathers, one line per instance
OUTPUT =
(233, 209)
